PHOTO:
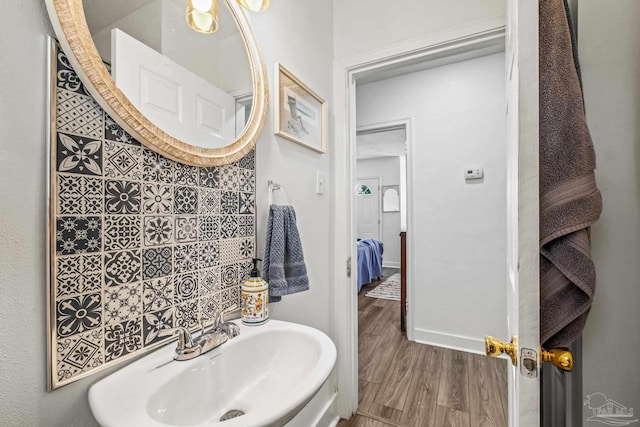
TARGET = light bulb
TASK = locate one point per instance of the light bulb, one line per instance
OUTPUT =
(202, 21)
(202, 15)
(202, 5)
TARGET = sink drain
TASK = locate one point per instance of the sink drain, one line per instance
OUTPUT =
(234, 413)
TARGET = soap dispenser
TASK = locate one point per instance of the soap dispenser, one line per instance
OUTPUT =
(255, 298)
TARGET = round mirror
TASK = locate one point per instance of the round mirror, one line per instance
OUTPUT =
(185, 77)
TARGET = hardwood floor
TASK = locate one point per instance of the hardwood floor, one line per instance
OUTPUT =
(405, 384)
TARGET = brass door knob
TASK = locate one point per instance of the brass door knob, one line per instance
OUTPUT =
(494, 348)
(561, 358)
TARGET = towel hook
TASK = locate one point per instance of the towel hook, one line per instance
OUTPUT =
(273, 187)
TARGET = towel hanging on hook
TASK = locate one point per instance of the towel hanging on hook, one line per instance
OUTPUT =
(273, 187)
(284, 266)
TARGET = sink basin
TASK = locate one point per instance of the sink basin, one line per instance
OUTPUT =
(268, 373)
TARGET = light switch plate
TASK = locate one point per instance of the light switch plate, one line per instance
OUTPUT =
(319, 182)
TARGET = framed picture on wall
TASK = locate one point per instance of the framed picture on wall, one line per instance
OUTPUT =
(300, 113)
(390, 198)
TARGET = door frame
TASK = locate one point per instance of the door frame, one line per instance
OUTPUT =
(379, 180)
(344, 325)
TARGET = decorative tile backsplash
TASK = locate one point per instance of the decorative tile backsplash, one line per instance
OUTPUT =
(140, 242)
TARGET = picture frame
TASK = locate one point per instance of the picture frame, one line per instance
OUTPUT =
(308, 127)
(390, 198)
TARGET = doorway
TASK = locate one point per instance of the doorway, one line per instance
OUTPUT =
(382, 149)
(456, 343)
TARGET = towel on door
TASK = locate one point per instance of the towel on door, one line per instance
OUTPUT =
(284, 267)
(569, 199)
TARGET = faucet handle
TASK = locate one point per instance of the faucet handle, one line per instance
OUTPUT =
(186, 349)
(231, 329)
(218, 319)
(209, 325)
(185, 340)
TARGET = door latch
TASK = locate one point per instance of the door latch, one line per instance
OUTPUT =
(529, 363)
(349, 267)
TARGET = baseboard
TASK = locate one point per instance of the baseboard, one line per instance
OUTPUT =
(391, 264)
(453, 342)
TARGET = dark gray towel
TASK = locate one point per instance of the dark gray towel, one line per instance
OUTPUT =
(284, 267)
(569, 199)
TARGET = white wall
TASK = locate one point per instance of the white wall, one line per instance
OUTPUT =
(300, 36)
(388, 169)
(609, 47)
(235, 71)
(368, 25)
(458, 120)
(23, 167)
(296, 32)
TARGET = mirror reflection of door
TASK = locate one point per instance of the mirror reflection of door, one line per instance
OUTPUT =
(189, 107)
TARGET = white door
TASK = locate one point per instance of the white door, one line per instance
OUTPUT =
(179, 102)
(523, 210)
(368, 208)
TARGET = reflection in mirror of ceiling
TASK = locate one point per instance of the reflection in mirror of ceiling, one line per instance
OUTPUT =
(381, 143)
(101, 14)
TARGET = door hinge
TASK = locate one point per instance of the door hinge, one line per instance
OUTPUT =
(349, 267)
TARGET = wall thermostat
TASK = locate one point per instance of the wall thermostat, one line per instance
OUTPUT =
(474, 172)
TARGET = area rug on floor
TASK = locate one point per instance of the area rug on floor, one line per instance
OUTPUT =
(389, 289)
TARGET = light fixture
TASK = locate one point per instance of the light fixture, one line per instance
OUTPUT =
(254, 5)
(202, 15)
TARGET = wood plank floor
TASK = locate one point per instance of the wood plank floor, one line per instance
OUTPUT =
(405, 384)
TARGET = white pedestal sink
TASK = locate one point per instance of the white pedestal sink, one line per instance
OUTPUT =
(268, 372)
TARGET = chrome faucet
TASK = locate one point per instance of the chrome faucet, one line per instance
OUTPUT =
(212, 336)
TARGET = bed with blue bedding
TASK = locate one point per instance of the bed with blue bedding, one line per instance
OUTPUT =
(369, 261)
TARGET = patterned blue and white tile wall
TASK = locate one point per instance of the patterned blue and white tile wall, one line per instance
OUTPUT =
(142, 243)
